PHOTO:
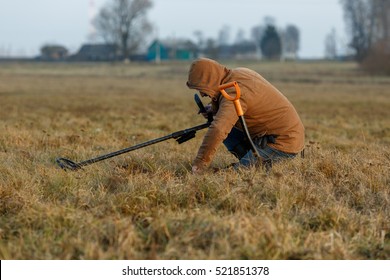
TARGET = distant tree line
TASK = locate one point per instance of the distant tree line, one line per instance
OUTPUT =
(267, 41)
(124, 22)
(368, 23)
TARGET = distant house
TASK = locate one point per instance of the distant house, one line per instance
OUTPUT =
(245, 50)
(171, 50)
(53, 52)
(242, 50)
(97, 52)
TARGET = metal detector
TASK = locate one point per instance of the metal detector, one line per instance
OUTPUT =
(180, 136)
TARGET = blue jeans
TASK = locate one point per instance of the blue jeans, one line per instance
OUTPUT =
(268, 154)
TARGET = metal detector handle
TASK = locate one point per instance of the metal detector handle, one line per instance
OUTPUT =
(202, 109)
(235, 99)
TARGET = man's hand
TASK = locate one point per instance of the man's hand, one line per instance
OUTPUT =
(209, 109)
(196, 170)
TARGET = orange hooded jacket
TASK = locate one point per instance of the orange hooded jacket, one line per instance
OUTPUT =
(266, 110)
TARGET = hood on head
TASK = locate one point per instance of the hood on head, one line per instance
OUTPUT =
(207, 75)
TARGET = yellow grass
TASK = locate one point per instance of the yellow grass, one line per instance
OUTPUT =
(334, 204)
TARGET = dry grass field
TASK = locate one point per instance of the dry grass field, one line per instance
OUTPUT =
(333, 204)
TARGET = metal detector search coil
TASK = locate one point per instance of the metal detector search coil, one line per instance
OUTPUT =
(67, 164)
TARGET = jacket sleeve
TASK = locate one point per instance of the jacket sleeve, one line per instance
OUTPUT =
(221, 126)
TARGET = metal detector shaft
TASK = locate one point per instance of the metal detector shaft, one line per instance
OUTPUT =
(174, 135)
(180, 136)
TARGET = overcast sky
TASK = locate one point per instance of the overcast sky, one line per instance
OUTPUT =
(27, 25)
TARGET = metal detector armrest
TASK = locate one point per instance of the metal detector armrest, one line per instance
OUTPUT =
(189, 133)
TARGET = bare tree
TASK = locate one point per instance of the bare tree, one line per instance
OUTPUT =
(368, 22)
(331, 45)
(377, 60)
(360, 20)
(124, 22)
(240, 36)
(290, 40)
(381, 10)
(211, 48)
(201, 41)
(224, 35)
(257, 33)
